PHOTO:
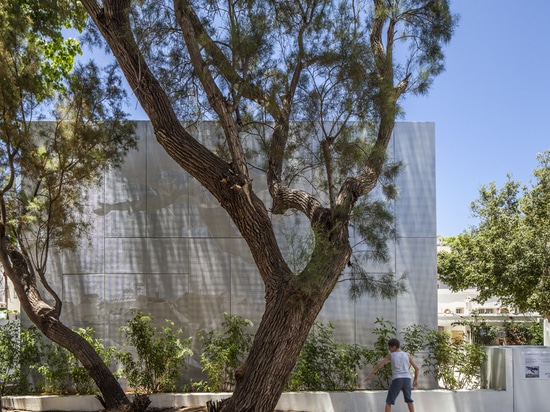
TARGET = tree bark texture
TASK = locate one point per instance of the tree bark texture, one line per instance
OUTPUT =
(284, 328)
(46, 319)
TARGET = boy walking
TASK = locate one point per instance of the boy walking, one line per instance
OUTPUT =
(401, 377)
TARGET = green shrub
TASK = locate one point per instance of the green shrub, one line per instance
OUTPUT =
(414, 339)
(63, 374)
(324, 365)
(384, 331)
(454, 364)
(20, 350)
(160, 355)
(536, 331)
(482, 333)
(223, 353)
(523, 333)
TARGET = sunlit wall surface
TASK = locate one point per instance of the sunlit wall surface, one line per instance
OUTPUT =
(162, 244)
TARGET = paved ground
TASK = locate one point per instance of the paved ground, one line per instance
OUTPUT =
(183, 409)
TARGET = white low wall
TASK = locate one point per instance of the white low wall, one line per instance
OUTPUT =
(432, 400)
(359, 401)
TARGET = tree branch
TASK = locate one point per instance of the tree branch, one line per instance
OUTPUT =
(187, 151)
(388, 94)
(192, 30)
(232, 192)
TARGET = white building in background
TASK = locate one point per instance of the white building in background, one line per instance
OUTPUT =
(161, 244)
(456, 309)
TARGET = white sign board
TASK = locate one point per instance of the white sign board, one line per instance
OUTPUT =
(536, 364)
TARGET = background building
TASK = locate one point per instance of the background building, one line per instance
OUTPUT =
(162, 244)
(461, 315)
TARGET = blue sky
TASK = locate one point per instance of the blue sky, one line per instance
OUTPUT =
(492, 104)
(489, 106)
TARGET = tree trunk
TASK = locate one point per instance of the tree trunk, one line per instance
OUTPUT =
(112, 395)
(277, 344)
(290, 312)
(47, 321)
(292, 305)
(292, 301)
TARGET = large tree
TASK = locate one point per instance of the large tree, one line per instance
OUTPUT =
(318, 83)
(46, 167)
(507, 254)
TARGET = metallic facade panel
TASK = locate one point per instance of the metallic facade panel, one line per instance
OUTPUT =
(415, 208)
(162, 245)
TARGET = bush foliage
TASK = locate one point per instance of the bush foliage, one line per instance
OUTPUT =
(156, 356)
(159, 356)
(325, 365)
(63, 374)
(223, 353)
(19, 348)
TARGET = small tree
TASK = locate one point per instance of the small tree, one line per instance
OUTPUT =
(45, 172)
(20, 350)
(453, 363)
(325, 365)
(507, 254)
(224, 352)
(161, 354)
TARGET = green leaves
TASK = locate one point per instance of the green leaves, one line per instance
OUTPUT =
(507, 254)
(454, 364)
(224, 351)
(325, 365)
(58, 61)
(22, 351)
(36, 56)
(159, 354)
(46, 169)
(63, 374)
(19, 349)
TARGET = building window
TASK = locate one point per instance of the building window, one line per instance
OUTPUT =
(459, 310)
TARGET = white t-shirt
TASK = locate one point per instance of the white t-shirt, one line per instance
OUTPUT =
(400, 365)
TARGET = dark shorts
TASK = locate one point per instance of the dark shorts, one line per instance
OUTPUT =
(398, 385)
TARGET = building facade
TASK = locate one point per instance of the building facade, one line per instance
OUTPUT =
(161, 244)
